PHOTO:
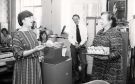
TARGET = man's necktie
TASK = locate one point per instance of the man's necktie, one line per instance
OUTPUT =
(78, 37)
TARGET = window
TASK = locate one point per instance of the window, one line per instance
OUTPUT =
(34, 6)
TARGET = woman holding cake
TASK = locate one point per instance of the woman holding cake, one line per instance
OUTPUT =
(108, 67)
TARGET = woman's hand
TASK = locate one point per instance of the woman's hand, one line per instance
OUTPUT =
(40, 47)
(37, 48)
(41, 58)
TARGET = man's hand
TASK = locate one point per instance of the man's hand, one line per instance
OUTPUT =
(76, 45)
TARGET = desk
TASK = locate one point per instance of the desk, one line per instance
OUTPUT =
(5, 49)
(4, 57)
(6, 67)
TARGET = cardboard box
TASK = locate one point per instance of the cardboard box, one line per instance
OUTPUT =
(57, 72)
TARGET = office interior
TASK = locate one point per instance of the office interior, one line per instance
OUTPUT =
(57, 14)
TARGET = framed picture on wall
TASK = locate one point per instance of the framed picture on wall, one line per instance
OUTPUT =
(119, 8)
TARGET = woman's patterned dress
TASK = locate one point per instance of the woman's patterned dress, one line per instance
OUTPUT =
(111, 69)
(26, 69)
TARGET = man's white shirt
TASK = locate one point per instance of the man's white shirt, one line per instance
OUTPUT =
(71, 31)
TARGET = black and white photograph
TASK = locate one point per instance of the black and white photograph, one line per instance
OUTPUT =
(67, 41)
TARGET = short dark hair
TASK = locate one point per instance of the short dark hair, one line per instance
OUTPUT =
(4, 29)
(22, 15)
(112, 17)
(76, 15)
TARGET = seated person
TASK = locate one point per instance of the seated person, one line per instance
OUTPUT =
(5, 37)
(43, 37)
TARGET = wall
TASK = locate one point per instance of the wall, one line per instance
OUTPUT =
(58, 13)
(12, 15)
(51, 15)
(4, 13)
(82, 7)
(8, 14)
(130, 9)
(131, 12)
